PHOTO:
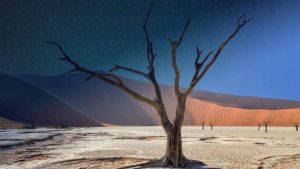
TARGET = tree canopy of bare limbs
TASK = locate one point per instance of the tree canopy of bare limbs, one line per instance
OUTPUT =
(173, 153)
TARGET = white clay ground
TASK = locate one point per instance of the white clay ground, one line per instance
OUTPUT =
(128, 147)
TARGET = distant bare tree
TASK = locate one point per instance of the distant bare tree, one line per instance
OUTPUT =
(31, 125)
(295, 119)
(173, 154)
(266, 122)
(259, 120)
(202, 120)
(258, 126)
(296, 126)
(211, 124)
(203, 124)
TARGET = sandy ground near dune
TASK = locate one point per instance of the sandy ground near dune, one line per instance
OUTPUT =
(129, 147)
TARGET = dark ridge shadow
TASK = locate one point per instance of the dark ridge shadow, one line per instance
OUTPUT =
(192, 164)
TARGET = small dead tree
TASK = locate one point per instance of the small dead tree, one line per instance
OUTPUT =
(258, 126)
(202, 119)
(203, 124)
(295, 120)
(267, 121)
(296, 126)
(259, 120)
(266, 124)
(211, 124)
(173, 153)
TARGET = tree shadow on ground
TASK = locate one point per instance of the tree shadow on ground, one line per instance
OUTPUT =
(156, 164)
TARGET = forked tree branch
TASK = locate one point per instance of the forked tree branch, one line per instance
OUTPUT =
(134, 71)
(199, 65)
(241, 22)
(166, 123)
(175, 44)
(107, 77)
(150, 54)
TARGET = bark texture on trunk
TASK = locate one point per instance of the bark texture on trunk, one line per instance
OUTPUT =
(174, 154)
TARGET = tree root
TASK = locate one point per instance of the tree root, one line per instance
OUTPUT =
(167, 161)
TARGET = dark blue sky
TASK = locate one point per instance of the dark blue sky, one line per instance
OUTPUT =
(263, 60)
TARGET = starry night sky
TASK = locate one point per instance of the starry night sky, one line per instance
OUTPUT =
(263, 60)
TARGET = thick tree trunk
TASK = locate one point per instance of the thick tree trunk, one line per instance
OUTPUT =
(174, 154)
(296, 127)
(202, 126)
(266, 128)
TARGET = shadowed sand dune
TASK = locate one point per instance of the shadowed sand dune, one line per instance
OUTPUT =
(53, 98)
(104, 102)
(23, 102)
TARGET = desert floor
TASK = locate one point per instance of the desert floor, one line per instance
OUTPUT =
(138, 147)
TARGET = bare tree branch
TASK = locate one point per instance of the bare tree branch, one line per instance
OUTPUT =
(151, 76)
(178, 42)
(175, 44)
(150, 55)
(109, 78)
(199, 52)
(241, 22)
(199, 65)
(117, 67)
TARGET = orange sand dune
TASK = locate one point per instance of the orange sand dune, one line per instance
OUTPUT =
(230, 116)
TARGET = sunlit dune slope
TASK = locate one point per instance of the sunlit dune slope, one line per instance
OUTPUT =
(231, 116)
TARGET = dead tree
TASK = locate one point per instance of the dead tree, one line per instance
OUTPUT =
(267, 121)
(173, 153)
(296, 125)
(203, 125)
(260, 120)
(266, 124)
(211, 124)
(295, 119)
